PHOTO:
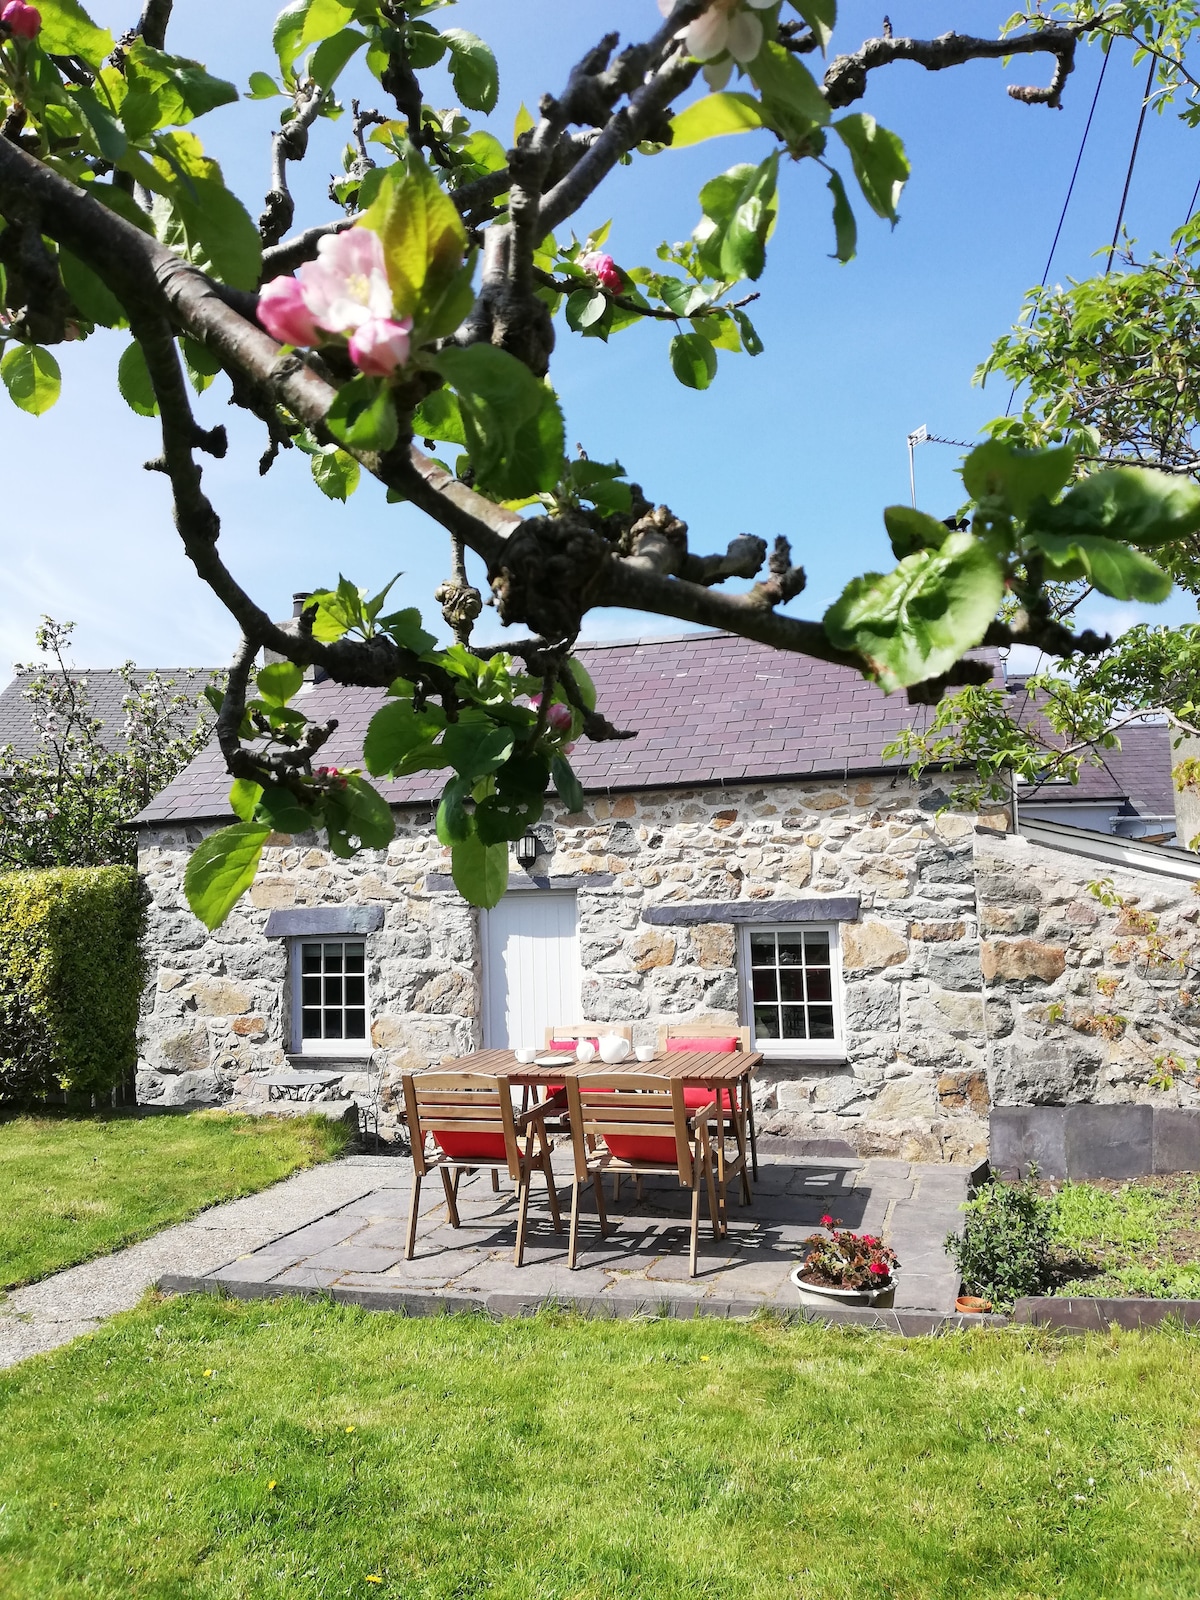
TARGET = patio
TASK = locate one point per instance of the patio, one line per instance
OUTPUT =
(356, 1253)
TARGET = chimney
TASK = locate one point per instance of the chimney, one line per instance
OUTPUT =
(300, 599)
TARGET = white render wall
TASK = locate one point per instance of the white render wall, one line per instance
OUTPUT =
(216, 1018)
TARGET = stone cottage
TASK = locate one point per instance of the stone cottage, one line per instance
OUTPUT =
(748, 858)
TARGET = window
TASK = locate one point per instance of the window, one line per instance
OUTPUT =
(329, 985)
(792, 978)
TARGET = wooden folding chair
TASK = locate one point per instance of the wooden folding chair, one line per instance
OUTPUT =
(471, 1121)
(675, 1036)
(646, 1129)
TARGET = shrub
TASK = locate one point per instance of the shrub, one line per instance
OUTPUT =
(71, 977)
(1005, 1248)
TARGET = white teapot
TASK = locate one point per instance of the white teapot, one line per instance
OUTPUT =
(613, 1048)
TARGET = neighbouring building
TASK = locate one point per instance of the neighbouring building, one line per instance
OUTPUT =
(748, 858)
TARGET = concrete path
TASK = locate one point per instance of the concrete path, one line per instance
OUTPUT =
(46, 1314)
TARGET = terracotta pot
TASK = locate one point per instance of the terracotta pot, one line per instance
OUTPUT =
(971, 1304)
(816, 1294)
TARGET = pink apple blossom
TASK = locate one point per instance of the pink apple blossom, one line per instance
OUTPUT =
(23, 22)
(283, 313)
(559, 717)
(380, 346)
(725, 26)
(603, 268)
(347, 284)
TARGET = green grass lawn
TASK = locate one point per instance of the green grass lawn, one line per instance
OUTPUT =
(197, 1448)
(1136, 1238)
(72, 1187)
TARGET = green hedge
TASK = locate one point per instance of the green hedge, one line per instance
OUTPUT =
(71, 979)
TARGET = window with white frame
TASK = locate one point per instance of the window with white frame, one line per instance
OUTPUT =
(792, 980)
(329, 996)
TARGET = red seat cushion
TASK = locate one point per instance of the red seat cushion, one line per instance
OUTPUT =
(700, 1096)
(715, 1046)
(567, 1046)
(481, 1147)
(631, 1148)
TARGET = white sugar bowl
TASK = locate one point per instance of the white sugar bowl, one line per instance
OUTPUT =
(613, 1048)
(585, 1050)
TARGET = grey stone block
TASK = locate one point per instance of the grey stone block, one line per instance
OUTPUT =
(1086, 1315)
(1021, 1137)
(1176, 1140)
(1109, 1141)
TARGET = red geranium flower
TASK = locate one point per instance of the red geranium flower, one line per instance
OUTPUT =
(827, 1221)
(879, 1268)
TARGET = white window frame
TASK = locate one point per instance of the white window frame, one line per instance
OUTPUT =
(794, 1049)
(359, 1048)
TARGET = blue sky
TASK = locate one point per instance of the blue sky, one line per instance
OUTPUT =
(808, 439)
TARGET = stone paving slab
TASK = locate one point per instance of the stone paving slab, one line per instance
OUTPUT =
(355, 1251)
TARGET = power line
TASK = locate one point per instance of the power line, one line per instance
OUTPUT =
(1192, 207)
(1137, 139)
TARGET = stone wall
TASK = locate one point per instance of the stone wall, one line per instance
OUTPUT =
(914, 1084)
(1087, 1001)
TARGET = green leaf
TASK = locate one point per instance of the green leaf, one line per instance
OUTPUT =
(585, 307)
(395, 731)
(845, 229)
(454, 822)
(262, 87)
(513, 426)
(424, 243)
(739, 215)
(357, 813)
(473, 70)
(438, 417)
(1115, 569)
(486, 150)
(32, 377)
(133, 380)
(751, 343)
(713, 116)
(279, 681)
(524, 776)
(283, 813)
(583, 681)
(90, 295)
(1136, 504)
(522, 122)
(570, 792)
(363, 415)
(323, 18)
(1020, 478)
(911, 530)
(406, 628)
(201, 363)
(425, 45)
(336, 474)
(791, 101)
(288, 34)
(915, 622)
(205, 221)
(693, 360)
(477, 746)
(111, 138)
(499, 819)
(221, 869)
(67, 30)
(330, 58)
(166, 91)
(820, 16)
(480, 871)
(244, 796)
(880, 164)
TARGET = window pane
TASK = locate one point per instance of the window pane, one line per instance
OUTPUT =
(355, 959)
(816, 949)
(762, 950)
(820, 983)
(310, 958)
(356, 991)
(356, 1024)
(820, 1022)
(333, 1024)
(791, 983)
(311, 991)
(333, 991)
(766, 1022)
(793, 1023)
(765, 986)
(310, 1024)
(333, 958)
(791, 950)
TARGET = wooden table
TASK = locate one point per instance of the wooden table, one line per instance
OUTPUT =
(708, 1069)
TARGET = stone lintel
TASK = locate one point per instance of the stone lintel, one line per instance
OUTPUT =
(438, 882)
(837, 908)
(324, 920)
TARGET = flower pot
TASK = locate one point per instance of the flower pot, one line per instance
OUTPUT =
(972, 1305)
(816, 1294)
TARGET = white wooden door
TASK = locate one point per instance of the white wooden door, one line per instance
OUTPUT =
(530, 968)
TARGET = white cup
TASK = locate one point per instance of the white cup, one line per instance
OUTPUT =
(585, 1050)
(525, 1056)
(646, 1052)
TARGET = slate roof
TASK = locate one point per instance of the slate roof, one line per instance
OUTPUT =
(709, 708)
(105, 692)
